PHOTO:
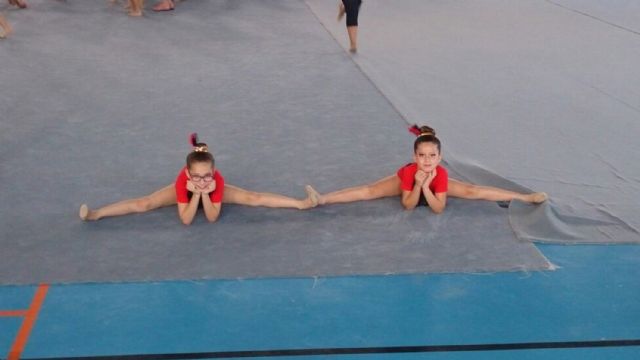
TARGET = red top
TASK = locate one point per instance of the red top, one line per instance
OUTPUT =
(408, 172)
(183, 195)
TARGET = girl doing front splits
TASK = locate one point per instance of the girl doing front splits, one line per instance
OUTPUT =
(425, 182)
(198, 183)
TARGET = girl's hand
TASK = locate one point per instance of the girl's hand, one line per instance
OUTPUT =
(211, 187)
(432, 175)
(420, 177)
(191, 187)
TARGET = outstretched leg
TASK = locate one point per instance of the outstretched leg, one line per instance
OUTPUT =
(163, 197)
(236, 195)
(464, 190)
(389, 186)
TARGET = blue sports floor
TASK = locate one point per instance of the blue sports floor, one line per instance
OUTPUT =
(588, 309)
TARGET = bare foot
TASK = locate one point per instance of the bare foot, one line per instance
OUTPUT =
(5, 28)
(341, 11)
(164, 5)
(538, 198)
(135, 13)
(313, 196)
(84, 212)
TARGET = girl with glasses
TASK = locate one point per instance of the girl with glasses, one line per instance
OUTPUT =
(199, 183)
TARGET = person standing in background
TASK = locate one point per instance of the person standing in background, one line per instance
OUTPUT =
(5, 28)
(351, 9)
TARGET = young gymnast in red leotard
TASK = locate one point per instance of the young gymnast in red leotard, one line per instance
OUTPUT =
(199, 183)
(425, 182)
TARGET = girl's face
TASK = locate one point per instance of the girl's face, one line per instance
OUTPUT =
(427, 156)
(201, 174)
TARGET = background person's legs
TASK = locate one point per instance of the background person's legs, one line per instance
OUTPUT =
(351, 8)
(5, 27)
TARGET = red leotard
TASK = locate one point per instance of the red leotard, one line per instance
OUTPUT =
(183, 195)
(408, 172)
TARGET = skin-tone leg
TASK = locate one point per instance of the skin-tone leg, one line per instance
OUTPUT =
(464, 190)
(389, 186)
(236, 195)
(135, 7)
(5, 28)
(161, 198)
(341, 11)
(353, 38)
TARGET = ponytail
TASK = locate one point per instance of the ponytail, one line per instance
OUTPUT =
(200, 152)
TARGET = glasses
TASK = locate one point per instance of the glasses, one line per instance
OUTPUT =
(198, 178)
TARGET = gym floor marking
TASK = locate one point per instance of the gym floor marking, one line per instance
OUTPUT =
(30, 316)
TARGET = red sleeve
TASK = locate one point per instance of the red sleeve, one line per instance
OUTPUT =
(182, 194)
(440, 184)
(407, 176)
(218, 193)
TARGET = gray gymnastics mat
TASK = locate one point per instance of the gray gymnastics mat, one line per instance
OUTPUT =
(525, 95)
(96, 107)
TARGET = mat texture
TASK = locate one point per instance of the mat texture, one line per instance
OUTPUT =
(96, 107)
(525, 95)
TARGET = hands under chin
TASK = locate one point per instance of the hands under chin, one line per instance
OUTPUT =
(211, 187)
(201, 190)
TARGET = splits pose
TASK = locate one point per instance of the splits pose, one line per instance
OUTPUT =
(198, 184)
(425, 182)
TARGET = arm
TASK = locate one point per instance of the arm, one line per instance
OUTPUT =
(187, 211)
(211, 209)
(437, 201)
(411, 198)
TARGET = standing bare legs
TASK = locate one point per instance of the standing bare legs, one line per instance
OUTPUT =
(351, 9)
(5, 27)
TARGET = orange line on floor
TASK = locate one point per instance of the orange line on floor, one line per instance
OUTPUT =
(27, 324)
(12, 313)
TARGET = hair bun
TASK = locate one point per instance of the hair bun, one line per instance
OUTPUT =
(421, 130)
